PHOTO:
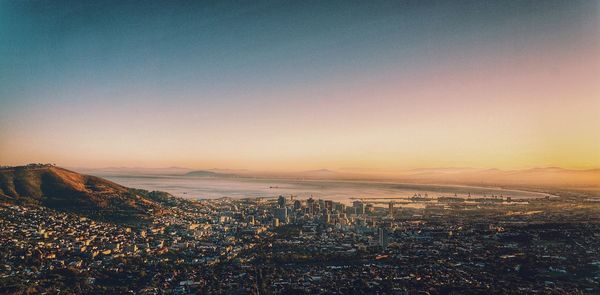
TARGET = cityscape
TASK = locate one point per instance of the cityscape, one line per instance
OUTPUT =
(289, 245)
(300, 147)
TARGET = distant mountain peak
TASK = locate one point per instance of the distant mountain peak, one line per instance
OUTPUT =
(322, 170)
(208, 173)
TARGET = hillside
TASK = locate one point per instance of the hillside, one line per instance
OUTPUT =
(65, 190)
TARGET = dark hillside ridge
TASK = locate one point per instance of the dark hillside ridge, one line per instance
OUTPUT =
(65, 190)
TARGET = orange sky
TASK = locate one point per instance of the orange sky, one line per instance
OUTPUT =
(514, 94)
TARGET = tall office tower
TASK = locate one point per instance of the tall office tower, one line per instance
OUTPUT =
(350, 210)
(310, 203)
(297, 205)
(281, 201)
(329, 206)
(281, 214)
(391, 208)
(275, 222)
(339, 207)
(359, 207)
(383, 239)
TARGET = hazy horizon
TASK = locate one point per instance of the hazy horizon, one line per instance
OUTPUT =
(300, 147)
(548, 177)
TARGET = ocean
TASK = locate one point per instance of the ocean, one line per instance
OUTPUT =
(342, 191)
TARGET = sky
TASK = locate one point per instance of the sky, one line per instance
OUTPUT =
(300, 85)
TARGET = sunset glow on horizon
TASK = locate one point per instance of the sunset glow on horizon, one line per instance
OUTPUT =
(385, 86)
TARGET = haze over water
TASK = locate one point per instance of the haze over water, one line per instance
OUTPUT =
(342, 191)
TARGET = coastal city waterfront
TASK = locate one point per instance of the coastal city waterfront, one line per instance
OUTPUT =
(300, 147)
(289, 245)
(343, 191)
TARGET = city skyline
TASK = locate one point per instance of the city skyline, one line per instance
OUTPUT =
(386, 86)
(300, 147)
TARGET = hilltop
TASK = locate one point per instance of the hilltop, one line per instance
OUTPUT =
(65, 190)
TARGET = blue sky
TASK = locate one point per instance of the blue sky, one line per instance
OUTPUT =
(146, 69)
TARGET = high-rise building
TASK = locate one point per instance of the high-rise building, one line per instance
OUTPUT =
(329, 206)
(383, 239)
(281, 201)
(321, 204)
(359, 207)
(350, 210)
(297, 205)
(339, 207)
(281, 214)
(310, 203)
(391, 208)
(275, 222)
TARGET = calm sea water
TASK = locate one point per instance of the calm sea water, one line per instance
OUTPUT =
(343, 191)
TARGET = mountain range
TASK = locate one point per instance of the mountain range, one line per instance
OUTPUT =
(540, 177)
(534, 177)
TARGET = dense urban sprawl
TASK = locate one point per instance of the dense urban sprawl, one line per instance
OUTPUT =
(289, 245)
